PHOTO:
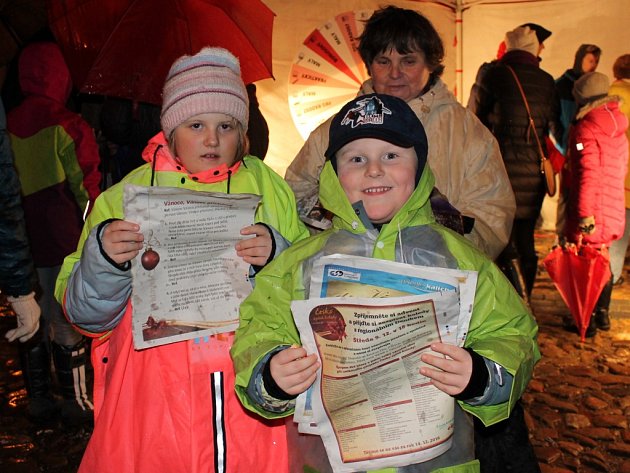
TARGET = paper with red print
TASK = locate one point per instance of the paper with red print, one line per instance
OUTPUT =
(371, 406)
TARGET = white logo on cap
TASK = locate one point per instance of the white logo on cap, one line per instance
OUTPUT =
(369, 111)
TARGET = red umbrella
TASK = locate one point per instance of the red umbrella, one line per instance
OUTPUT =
(579, 272)
(20, 20)
(124, 48)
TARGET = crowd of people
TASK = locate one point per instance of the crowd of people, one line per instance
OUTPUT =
(419, 179)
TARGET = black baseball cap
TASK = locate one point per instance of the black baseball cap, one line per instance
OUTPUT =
(379, 116)
(541, 33)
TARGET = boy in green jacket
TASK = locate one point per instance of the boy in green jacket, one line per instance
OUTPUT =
(377, 184)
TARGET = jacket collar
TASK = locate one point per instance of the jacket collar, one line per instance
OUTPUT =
(348, 215)
(517, 56)
(571, 75)
(585, 109)
(437, 95)
(158, 153)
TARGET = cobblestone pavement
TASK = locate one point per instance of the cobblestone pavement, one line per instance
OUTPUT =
(24, 446)
(577, 405)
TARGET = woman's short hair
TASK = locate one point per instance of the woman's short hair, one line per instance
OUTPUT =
(404, 30)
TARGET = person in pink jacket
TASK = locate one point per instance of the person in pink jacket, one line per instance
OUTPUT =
(598, 160)
(172, 408)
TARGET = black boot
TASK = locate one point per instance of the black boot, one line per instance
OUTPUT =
(602, 320)
(72, 367)
(591, 330)
(505, 446)
(513, 271)
(34, 354)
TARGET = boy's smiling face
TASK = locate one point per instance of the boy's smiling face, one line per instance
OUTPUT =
(380, 174)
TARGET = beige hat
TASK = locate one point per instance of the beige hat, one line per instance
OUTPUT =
(591, 86)
(523, 38)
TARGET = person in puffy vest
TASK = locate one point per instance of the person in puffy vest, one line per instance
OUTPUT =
(18, 279)
(497, 102)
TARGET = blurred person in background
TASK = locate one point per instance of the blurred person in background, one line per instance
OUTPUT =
(597, 166)
(586, 60)
(57, 160)
(18, 279)
(404, 56)
(497, 101)
(621, 88)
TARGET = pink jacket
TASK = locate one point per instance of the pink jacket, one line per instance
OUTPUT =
(195, 410)
(169, 408)
(598, 159)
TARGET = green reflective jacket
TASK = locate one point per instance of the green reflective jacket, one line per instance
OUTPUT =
(277, 207)
(502, 328)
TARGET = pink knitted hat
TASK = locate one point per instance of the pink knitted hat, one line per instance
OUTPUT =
(208, 82)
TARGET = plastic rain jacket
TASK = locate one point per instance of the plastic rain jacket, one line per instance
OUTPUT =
(56, 155)
(170, 408)
(501, 329)
(463, 155)
(598, 161)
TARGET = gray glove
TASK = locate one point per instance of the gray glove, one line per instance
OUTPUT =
(28, 312)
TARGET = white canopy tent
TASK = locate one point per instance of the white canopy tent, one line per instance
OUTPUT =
(471, 31)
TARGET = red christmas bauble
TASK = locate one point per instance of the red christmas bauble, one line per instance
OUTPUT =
(150, 259)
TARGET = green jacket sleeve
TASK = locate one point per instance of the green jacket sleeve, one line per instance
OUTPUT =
(266, 321)
(501, 329)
